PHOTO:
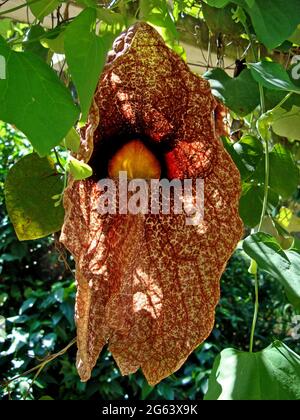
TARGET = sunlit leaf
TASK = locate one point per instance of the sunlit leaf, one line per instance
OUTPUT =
(29, 186)
(287, 123)
(284, 266)
(79, 170)
(33, 98)
(273, 76)
(272, 374)
(85, 54)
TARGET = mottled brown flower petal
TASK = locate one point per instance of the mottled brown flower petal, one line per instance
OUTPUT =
(148, 285)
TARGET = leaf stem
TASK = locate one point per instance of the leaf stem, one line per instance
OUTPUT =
(266, 191)
(256, 308)
(58, 160)
(266, 187)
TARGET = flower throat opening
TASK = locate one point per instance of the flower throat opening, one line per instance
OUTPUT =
(137, 160)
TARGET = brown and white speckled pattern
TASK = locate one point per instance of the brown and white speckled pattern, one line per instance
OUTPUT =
(148, 285)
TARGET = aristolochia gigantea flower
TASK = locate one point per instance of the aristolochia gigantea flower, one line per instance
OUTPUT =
(148, 284)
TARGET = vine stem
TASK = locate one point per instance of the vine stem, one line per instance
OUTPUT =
(21, 6)
(40, 366)
(58, 160)
(266, 194)
(287, 97)
(255, 315)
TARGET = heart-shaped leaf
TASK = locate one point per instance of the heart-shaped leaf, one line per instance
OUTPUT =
(282, 167)
(246, 153)
(240, 94)
(274, 21)
(273, 76)
(272, 374)
(284, 266)
(30, 185)
(72, 140)
(287, 123)
(33, 98)
(43, 8)
(251, 203)
(79, 170)
(85, 54)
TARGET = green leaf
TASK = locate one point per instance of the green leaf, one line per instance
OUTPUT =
(288, 220)
(87, 3)
(246, 153)
(275, 97)
(221, 20)
(33, 98)
(240, 94)
(273, 76)
(56, 43)
(272, 374)
(287, 123)
(85, 54)
(29, 186)
(79, 170)
(43, 8)
(284, 266)
(110, 17)
(274, 21)
(251, 203)
(295, 38)
(72, 140)
(218, 3)
(5, 26)
(32, 42)
(282, 168)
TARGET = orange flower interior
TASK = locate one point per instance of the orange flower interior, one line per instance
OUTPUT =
(137, 160)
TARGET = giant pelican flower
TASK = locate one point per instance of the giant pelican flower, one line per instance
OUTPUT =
(148, 284)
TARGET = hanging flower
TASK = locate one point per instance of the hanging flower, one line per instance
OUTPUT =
(148, 284)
